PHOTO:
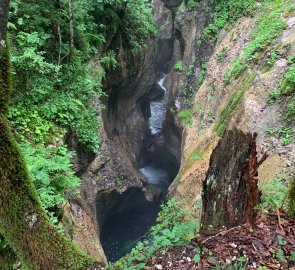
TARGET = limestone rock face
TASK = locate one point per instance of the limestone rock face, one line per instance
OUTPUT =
(81, 229)
(213, 98)
(127, 105)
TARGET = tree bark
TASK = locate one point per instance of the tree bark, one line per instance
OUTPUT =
(230, 191)
(23, 222)
(71, 26)
(4, 5)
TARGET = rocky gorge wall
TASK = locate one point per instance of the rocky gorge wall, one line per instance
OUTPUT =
(110, 181)
(242, 103)
(213, 106)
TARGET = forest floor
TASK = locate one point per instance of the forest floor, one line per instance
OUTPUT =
(267, 244)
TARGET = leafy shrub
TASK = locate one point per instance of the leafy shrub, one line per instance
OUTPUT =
(186, 117)
(272, 58)
(221, 55)
(274, 195)
(29, 125)
(226, 13)
(192, 4)
(227, 77)
(178, 66)
(52, 174)
(274, 95)
(202, 74)
(267, 28)
(285, 134)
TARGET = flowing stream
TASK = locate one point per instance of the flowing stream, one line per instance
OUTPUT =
(158, 109)
(124, 229)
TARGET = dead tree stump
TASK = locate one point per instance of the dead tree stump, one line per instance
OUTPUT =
(230, 191)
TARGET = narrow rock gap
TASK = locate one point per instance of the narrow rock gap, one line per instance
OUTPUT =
(129, 214)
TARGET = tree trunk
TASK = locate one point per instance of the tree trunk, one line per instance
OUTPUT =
(230, 191)
(71, 27)
(4, 5)
(23, 222)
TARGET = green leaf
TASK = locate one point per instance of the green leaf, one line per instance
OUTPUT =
(197, 258)
(280, 255)
(281, 240)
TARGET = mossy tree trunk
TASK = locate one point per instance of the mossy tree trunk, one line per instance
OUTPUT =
(23, 222)
(230, 191)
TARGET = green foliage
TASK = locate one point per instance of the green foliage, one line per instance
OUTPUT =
(55, 86)
(273, 196)
(280, 255)
(285, 134)
(109, 61)
(52, 174)
(240, 264)
(281, 240)
(29, 125)
(221, 55)
(274, 96)
(288, 84)
(197, 257)
(186, 116)
(268, 26)
(174, 227)
(190, 69)
(231, 105)
(227, 77)
(192, 4)
(197, 155)
(272, 58)
(226, 13)
(178, 66)
(138, 23)
(286, 92)
(202, 74)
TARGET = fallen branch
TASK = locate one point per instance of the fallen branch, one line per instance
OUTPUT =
(221, 233)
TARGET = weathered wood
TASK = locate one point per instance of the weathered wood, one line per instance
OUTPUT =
(230, 191)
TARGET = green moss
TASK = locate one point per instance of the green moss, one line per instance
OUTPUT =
(232, 104)
(24, 224)
(7, 259)
(265, 69)
(5, 80)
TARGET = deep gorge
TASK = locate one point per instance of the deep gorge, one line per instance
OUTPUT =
(135, 120)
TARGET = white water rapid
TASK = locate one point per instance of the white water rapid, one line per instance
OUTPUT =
(158, 109)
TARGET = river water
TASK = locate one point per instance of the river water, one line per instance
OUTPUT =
(158, 109)
(122, 230)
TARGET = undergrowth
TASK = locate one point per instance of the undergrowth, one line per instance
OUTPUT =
(52, 174)
(268, 26)
(175, 227)
(226, 13)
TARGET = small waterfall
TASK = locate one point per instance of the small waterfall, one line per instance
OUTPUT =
(156, 176)
(158, 109)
